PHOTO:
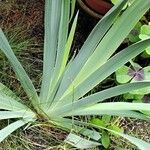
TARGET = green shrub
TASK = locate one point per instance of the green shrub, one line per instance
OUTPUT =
(64, 83)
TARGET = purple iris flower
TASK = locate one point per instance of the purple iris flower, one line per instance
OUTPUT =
(137, 73)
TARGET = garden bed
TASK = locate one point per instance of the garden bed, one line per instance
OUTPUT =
(20, 18)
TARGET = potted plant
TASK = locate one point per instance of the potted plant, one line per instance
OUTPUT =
(96, 8)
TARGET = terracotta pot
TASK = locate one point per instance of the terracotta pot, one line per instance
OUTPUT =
(100, 6)
(96, 8)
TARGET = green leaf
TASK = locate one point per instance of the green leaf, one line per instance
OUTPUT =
(98, 122)
(144, 34)
(62, 39)
(145, 30)
(142, 145)
(128, 96)
(104, 51)
(116, 106)
(117, 1)
(52, 22)
(148, 50)
(99, 97)
(11, 128)
(8, 103)
(135, 97)
(17, 114)
(71, 125)
(80, 142)
(73, 4)
(116, 128)
(20, 72)
(8, 93)
(87, 49)
(106, 119)
(122, 109)
(117, 61)
(138, 97)
(122, 75)
(63, 61)
(68, 45)
(146, 113)
(147, 73)
(105, 139)
(134, 34)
